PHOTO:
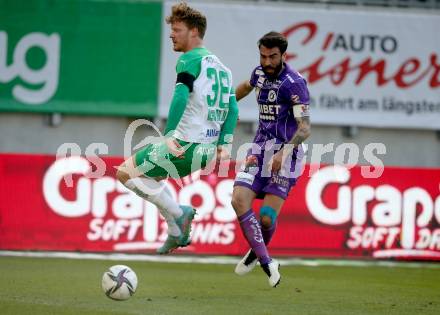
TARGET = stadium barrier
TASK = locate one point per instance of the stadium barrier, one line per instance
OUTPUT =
(64, 205)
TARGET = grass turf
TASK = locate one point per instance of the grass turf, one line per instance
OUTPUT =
(62, 286)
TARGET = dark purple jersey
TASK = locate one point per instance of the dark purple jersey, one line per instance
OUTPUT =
(274, 98)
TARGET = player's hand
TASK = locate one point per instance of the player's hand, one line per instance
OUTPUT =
(276, 161)
(175, 148)
(222, 153)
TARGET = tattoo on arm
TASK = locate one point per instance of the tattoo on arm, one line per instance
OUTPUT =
(303, 131)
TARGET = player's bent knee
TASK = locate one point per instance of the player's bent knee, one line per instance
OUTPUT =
(268, 216)
(266, 222)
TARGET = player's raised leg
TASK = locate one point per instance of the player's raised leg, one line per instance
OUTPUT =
(242, 199)
(178, 217)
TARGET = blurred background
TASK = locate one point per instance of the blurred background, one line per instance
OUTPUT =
(81, 72)
(101, 64)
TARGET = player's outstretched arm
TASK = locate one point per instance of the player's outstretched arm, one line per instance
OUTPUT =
(243, 89)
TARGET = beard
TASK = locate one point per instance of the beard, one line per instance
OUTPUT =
(177, 47)
(275, 70)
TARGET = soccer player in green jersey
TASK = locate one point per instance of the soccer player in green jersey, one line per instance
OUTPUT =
(201, 120)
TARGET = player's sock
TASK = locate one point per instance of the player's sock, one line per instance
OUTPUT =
(158, 194)
(267, 236)
(252, 232)
(268, 233)
(173, 228)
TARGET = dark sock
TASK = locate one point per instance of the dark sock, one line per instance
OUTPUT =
(268, 233)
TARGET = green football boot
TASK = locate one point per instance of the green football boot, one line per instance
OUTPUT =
(171, 243)
(184, 224)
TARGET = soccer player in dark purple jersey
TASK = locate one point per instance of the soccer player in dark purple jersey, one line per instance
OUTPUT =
(274, 161)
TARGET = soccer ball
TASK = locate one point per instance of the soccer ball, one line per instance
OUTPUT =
(119, 282)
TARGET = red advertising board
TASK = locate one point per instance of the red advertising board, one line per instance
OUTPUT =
(333, 211)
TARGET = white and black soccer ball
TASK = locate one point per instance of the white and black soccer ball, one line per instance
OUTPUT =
(119, 282)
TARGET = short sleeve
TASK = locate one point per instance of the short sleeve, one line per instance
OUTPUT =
(254, 77)
(298, 91)
(188, 65)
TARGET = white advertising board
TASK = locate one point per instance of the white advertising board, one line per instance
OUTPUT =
(364, 68)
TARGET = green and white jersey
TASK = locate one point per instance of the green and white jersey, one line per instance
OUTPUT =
(208, 103)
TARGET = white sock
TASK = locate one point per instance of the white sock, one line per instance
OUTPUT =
(158, 194)
(173, 229)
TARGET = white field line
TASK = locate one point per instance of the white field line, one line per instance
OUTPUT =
(224, 260)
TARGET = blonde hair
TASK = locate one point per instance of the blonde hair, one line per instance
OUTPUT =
(192, 18)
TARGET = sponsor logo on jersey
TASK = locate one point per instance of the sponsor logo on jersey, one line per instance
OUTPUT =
(269, 112)
(209, 59)
(269, 109)
(279, 180)
(212, 133)
(266, 117)
(217, 114)
(272, 96)
(271, 85)
(290, 79)
(295, 99)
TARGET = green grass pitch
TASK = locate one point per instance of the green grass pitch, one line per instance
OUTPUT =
(63, 286)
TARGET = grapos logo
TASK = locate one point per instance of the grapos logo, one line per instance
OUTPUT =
(117, 215)
(47, 76)
(389, 220)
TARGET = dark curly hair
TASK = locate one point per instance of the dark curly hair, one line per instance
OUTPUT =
(274, 39)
